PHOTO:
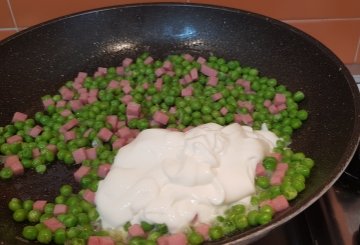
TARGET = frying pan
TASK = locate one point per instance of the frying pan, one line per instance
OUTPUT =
(37, 61)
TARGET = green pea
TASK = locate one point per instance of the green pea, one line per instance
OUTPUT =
(15, 204)
(30, 232)
(264, 218)
(269, 163)
(241, 222)
(60, 236)
(195, 238)
(262, 181)
(34, 216)
(44, 236)
(66, 190)
(298, 96)
(20, 215)
(6, 173)
(216, 232)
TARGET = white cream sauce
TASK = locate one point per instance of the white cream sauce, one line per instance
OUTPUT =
(175, 178)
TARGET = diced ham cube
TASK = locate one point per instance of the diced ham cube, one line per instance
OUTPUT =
(14, 139)
(187, 91)
(201, 60)
(243, 118)
(136, 231)
(260, 170)
(82, 75)
(60, 209)
(61, 103)
(100, 240)
(279, 99)
(66, 93)
(113, 84)
(65, 113)
(277, 156)
(126, 99)
(133, 109)
(69, 135)
(149, 60)
(91, 153)
(79, 155)
(91, 99)
(188, 57)
(281, 107)
(203, 230)
(69, 125)
(246, 104)
(267, 103)
(160, 71)
(177, 239)
(48, 102)
(124, 132)
(103, 170)
(167, 65)
(102, 70)
(89, 196)
(93, 92)
(172, 110)
(39, 205)
(112, 120)
(77, 85)
(223, 111)
(124, 83)
(213, 81)
(127, 89)
(277, 177)
(187, 78)
(120, 124)
(245, 84)
(81, 172)
(53, 224)
(279, 203)
(273, 109)
(120, 70)
(170, 73)
(87, 132)
(76, 105)
(282, 167)
(36, 152)
(161, 117)
(52, 148)
(105, 134)
(117, 144)
(216, 96)
(14, 163)
(194, 74)
(158, 84)
(126, 62)
(145, 85)
(19, 117)
(208, 71)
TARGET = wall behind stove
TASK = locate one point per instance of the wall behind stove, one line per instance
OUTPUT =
(336, 23)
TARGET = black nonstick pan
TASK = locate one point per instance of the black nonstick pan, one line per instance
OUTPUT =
(38, 60)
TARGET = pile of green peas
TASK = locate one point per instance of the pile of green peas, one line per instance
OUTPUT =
(192, 110)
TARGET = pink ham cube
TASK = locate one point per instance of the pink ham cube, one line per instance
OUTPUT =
(105, 134)
(133, 109)
(194, 74)
(161, 117)
(187, 91)
(19, 117)
(136, 231)
(60, 209)
(66, 93)
(14, 139)
(13, 162)
(53, 224)
(126, 99)
(160, 71)
(39, 205)
(126, 62)
(208, 71)
(35, 131)
(81, 172)
(216, 96)
(223, 111)
(75, 105)
(103, 170)
(91, 153)
(279, 99)
(117, 144)
(48, 102)
(203, 230)
(69, 135)
(79, 155)
(188, 57)
(89, 196)
(124, 132)
(279, 203)
(149, 60)
(213, 81)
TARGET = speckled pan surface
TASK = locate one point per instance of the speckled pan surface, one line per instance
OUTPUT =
(38, 60)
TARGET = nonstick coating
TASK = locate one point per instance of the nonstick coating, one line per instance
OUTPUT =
(39, 60)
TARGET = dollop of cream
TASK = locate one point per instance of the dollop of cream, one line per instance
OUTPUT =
(179, 178)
